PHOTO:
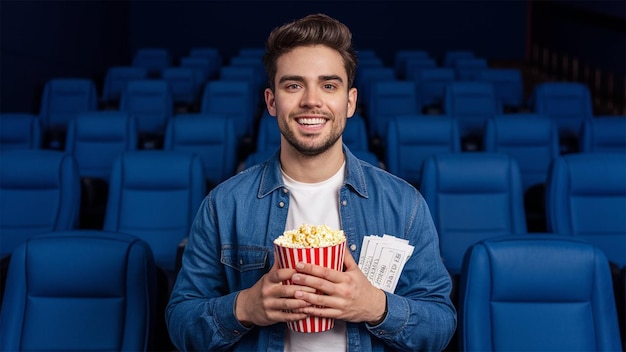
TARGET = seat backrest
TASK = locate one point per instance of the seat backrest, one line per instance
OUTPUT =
(365, 79)
(245, 73)
(79, 291)
(413, 138)
(260, 77)
(268, 135)
(210, 53)
(431, 84)
(389, 99)
(63, 98)
(472, 196)
(150, 102)
(152, 59)
(568, 103)
(39, 192)
(413, 65)
(202, 67)
(586, 198)
(468, 69)
(96, 139)
(154, 195)
(531, 139)
(401, 57)
(537, 293)
(20, 131)
(231, 98)
(116, 79)
(471, 103)
(183, 83)
(211, 137)
(603, 134)
(508, 85)
(450, 56)
(355, 134)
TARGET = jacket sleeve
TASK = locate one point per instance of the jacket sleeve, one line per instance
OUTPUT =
(199, 315)
(421, 316)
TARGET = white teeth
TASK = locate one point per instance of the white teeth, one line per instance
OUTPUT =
(311, 121)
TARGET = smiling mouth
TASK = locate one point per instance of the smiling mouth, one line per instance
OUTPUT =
(311, 121)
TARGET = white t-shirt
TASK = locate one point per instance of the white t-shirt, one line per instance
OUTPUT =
(315, 204)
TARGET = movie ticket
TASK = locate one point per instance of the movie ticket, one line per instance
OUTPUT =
(382, 260)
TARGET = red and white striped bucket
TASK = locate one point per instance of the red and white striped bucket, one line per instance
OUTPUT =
(330, 257)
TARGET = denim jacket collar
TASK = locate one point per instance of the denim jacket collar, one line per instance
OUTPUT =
(272, 179)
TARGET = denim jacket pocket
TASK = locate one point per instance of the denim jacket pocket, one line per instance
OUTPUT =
(244, 258)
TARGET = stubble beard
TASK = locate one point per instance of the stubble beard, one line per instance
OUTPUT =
(308, 149)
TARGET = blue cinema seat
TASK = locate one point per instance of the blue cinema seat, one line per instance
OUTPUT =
(95, 140)
(537, 293)
(213, 55)
(472, 196)
(431, 84)
(413, 138)
(20, 131)
(61, 101)
(154, 195)
(79, 290)
(389, 99)
(184, 87)
(268, 134)
(401, 57)
(586, 198)
(150, 102)
(355, 133)
(471, 103)
(211, 137)
(115, 82)
(39, 193)
(569, 104)
(468, 69)
(234, 99)
(603, 134)
(509, 87)
(152, 59)
(531, 139)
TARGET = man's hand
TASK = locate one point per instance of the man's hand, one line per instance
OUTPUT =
(269, 301)
(344, 295)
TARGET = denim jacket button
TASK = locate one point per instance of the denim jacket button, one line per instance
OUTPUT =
(285, 190)
(281, 204)
(353, 247)
(344, 202)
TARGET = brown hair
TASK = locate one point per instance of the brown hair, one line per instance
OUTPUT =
(317, 29)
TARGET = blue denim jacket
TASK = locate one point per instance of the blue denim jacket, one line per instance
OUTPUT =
(230, 247)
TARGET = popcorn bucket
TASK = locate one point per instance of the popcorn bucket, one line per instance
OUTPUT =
(330, 257)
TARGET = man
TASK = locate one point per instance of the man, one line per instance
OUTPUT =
(228, 294)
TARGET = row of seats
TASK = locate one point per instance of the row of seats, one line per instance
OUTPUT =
(474, 198)
(154, 195)
(532, 139)
(235, 90)
(95, 138)
(518, 293)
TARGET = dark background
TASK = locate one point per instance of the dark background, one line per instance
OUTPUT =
(41, 40)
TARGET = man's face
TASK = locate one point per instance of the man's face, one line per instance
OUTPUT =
(311, 100)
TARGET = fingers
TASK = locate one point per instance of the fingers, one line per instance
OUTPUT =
(319, 271)
(349, 262)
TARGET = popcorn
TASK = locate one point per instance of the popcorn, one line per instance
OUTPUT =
(310, 236)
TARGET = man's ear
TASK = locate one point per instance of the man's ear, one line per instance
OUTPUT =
(352, 96)
(270, 101)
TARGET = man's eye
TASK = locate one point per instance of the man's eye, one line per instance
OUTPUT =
(293, 86)
(329, 86)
